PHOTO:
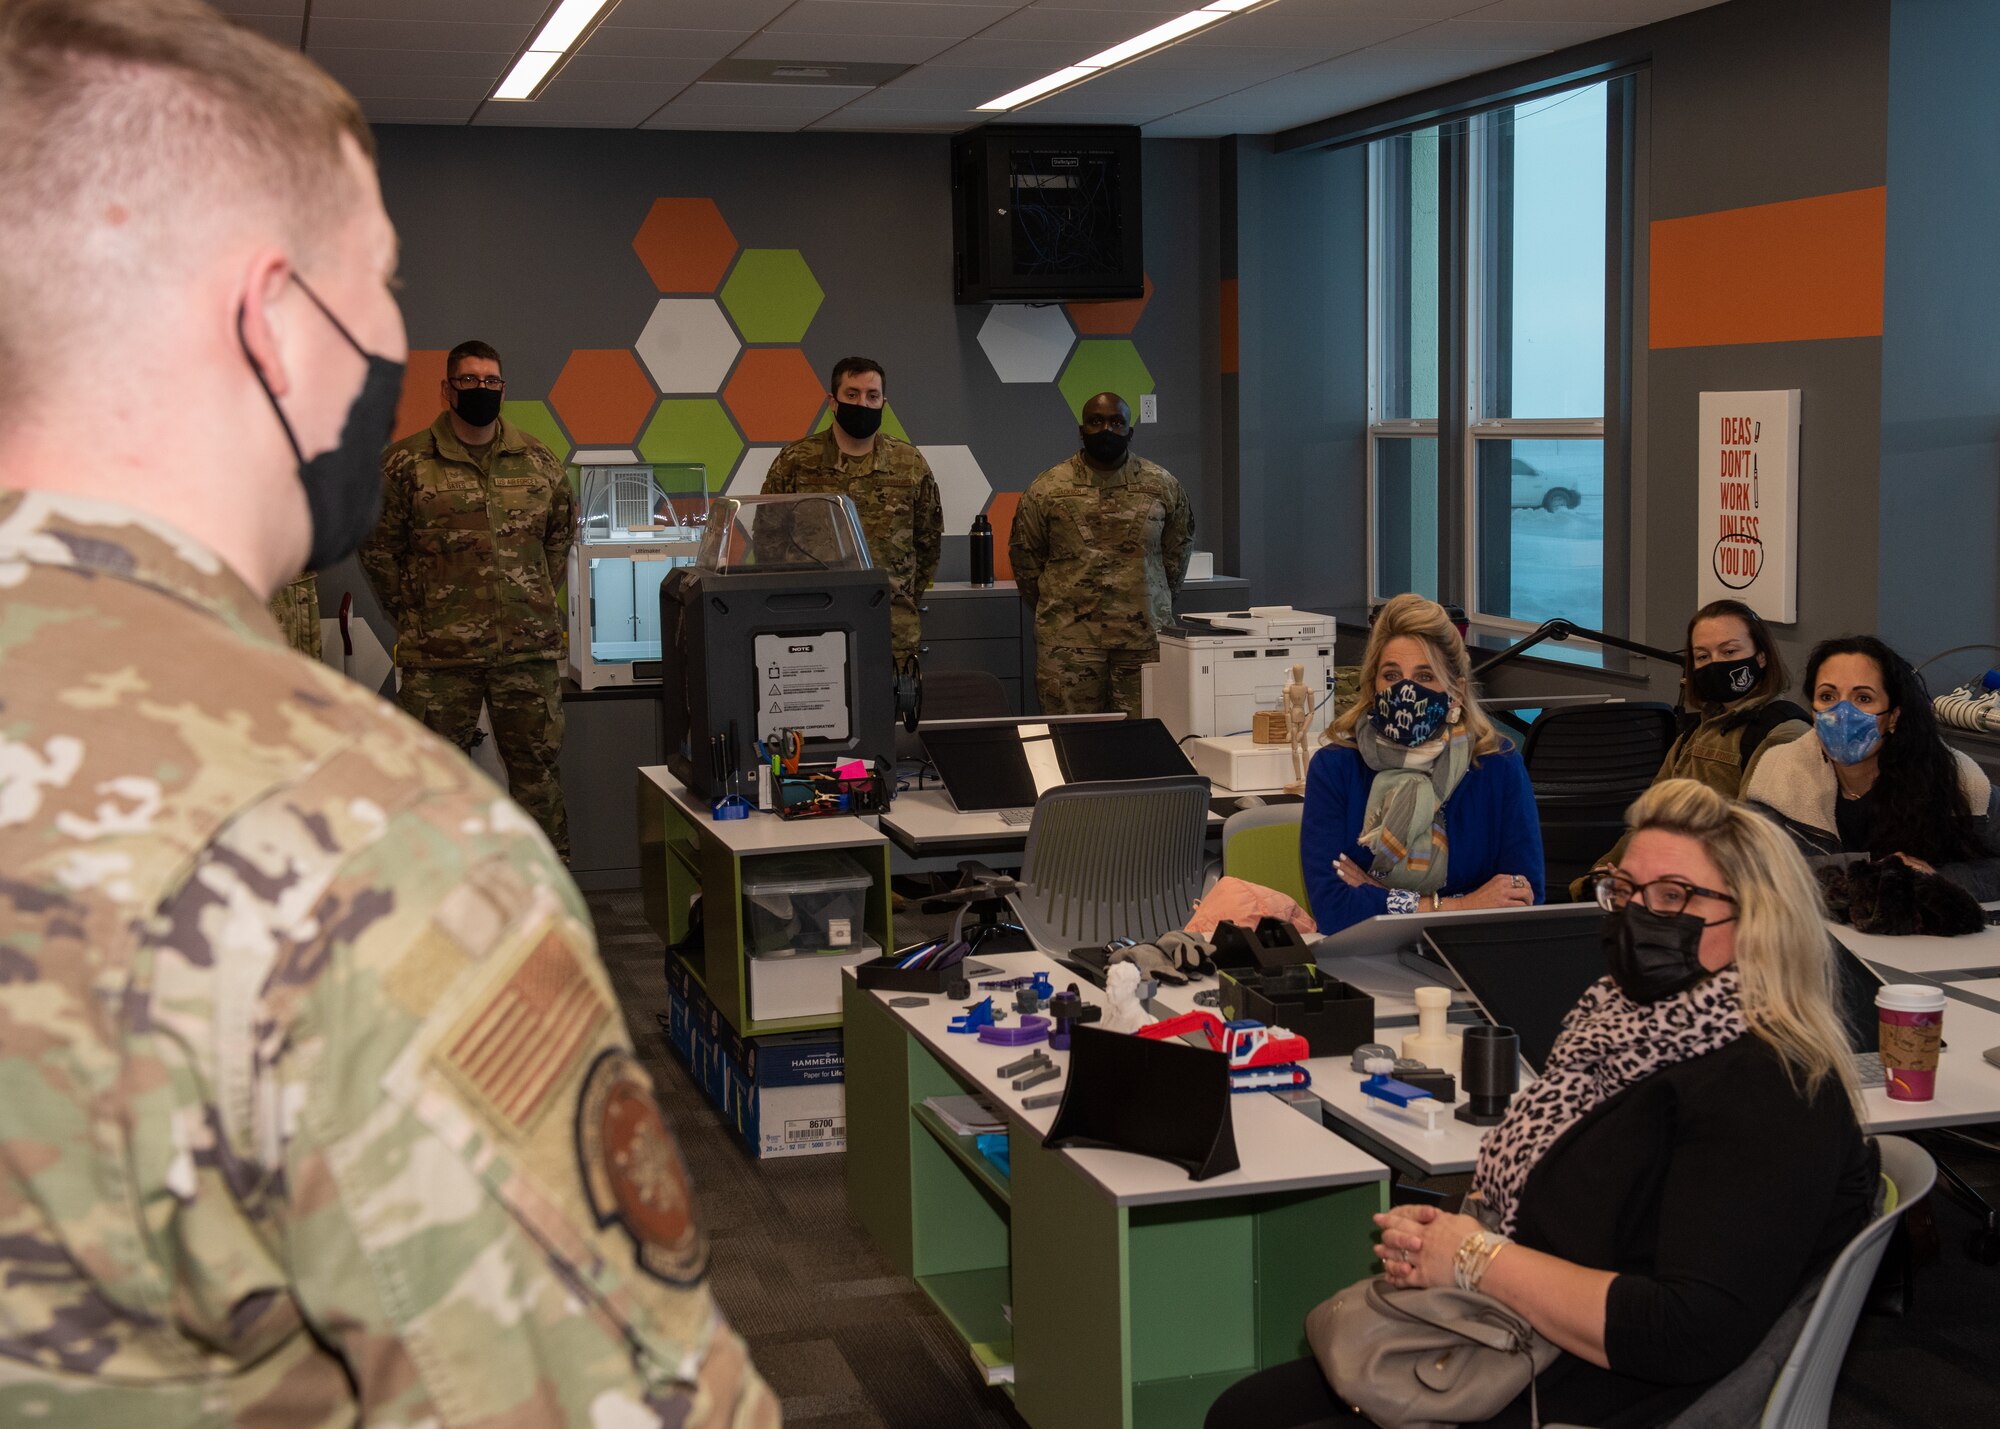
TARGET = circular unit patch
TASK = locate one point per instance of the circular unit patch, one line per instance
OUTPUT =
(632, 1170)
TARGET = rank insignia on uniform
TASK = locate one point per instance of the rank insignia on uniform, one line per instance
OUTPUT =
(632, 1170)
(513, 1049)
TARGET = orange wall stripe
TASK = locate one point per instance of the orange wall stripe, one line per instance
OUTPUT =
(1777, 272)
(1000, 514)
(420, 404)
(1228, 325)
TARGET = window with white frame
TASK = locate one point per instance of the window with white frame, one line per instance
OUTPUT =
(1489, 309)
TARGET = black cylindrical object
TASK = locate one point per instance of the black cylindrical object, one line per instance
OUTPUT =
(1489, 1071)
(982, 551)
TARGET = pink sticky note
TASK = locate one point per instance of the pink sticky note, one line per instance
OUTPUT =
(852, 769)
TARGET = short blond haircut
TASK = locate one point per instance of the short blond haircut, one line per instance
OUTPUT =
(1428, 622)
(129, 129)
(1790, 988)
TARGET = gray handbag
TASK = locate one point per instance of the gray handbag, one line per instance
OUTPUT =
(1425, 1358)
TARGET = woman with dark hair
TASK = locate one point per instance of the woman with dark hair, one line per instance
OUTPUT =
(1875, 778)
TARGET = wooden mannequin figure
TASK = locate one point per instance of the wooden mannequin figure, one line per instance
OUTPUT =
(1298, 707)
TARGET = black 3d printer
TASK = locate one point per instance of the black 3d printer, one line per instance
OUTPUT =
(776, 648)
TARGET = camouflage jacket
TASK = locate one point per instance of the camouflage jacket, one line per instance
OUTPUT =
(1099, 554)
(318, 1109)
(468, 555)
(897, 497)
(296, 609)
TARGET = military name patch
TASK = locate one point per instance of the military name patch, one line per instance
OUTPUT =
(511, 1050)
(632, 1170)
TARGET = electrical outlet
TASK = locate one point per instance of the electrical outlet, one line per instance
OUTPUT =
(1149, 407)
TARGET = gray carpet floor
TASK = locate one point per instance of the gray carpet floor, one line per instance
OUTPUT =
(850, 1344)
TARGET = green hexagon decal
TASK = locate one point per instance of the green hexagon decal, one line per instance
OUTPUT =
(1104, 365)
(772, 295)
(539, 422)
(695, 429)
(890, 423)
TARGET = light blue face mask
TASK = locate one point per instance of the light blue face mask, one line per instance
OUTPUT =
(1848, 734)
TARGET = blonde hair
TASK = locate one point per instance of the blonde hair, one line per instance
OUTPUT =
(1790, 981)
(131, 129)
(1429, 622)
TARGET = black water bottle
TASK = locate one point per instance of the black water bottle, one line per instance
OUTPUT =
(982, 551)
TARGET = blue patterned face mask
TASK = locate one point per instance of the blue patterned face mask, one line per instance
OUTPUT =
(1848, 734)
(1408, 713)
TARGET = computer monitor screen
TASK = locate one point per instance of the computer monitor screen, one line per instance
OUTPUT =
(983, 767)
(1858, 984)
(1126, 749)
(1525, 972)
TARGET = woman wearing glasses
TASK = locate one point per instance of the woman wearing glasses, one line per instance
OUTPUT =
(1875, 778)
(1689, 1158)
(1416, 803)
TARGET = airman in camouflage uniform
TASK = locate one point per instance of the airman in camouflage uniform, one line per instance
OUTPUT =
(477, 522)
(1100, 544)
(315, 1105)
(296, 609)
(892, 489)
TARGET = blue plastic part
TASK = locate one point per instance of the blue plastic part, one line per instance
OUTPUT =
(1384, 1087)
(993, 1146)
(979, 1015)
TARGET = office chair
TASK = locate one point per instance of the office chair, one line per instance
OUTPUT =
(1802, 1394)
(1587, 766)
(1262, 846)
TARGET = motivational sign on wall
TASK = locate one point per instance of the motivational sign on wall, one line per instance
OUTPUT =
(1749, 501)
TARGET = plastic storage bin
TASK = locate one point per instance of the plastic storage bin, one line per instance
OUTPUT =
(803, 922)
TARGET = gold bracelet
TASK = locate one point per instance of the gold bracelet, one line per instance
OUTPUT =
(1461, 1262)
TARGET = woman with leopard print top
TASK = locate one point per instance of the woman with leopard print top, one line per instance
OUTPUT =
(1688, 1161)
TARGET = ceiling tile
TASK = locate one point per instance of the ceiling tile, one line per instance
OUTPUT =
(352, 67)
(887, 17)
(525, 12)
(243, 8)
(417, 111)
(846, 121)
(1623, 13)
(468, 89)
(1537, 36)
(1082, 27)
(618, 41)
(617, 105)
(1039, 55)
(773, 97)
(628, 69)
(844, 48)
(418, 35)
(696, 14)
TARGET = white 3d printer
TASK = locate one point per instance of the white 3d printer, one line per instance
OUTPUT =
(1217, 669)
(635, 523)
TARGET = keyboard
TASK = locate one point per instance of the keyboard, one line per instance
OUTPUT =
(1868, 1070)
(1016, 818)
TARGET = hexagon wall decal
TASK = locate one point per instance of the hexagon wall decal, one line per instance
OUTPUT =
(962, 486)
(539, 422)
(419, 406)
(602, 396)
(1120, 315)
(774, 394)
(751, 471)
(693, 430)
(687, 345)
(1104, 365)
(890, 422)
(772, 295)
(685, 245)
(1025, 344)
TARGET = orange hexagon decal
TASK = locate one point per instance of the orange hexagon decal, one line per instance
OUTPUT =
(419, 406)
(685, 245)
(602, 396)
(774, 394)
(1113, 318)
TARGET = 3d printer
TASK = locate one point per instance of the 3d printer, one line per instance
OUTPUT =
(635, 523)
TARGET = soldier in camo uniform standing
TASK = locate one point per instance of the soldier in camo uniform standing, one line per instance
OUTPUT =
(477, 521)
(316, 1107)
(1100, 545)
(889, 482)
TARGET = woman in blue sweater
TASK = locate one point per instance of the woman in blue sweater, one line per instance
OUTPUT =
(1417, 802)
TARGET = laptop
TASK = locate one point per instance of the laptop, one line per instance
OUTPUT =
(1528, 975)
(1003, 766)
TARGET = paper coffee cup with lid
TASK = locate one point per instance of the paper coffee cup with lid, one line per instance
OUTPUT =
(1912, 1028)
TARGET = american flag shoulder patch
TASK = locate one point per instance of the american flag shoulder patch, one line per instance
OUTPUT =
(513, 1046)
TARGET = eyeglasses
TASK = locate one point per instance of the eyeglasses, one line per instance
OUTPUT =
(1664, 896)
(466, 382)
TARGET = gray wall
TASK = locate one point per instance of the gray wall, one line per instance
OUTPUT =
(1940, 495)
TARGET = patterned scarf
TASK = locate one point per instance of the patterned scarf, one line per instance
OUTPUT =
(1403, 822)
(1607, 1043)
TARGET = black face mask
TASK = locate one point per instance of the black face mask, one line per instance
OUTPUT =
(1652, 955)
(1725, 682)
(344, 483)
(1106, 448)
(858, 420)
(478, 406)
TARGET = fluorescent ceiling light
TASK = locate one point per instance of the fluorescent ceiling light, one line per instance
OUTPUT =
(561, 31)
(1160, 36)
